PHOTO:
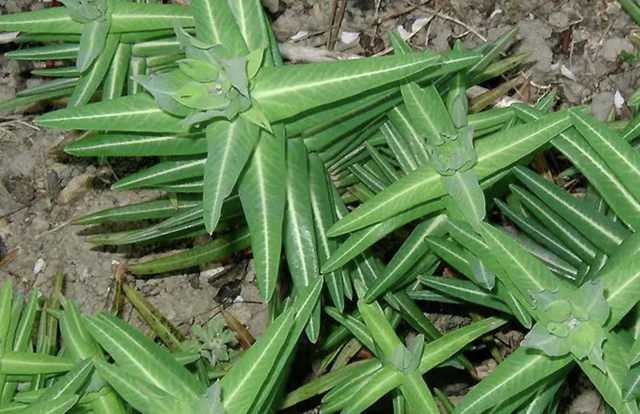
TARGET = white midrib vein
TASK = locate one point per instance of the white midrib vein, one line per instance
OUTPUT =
(137, 361)
(264, 211)
(391, 271)
(165, 172)
(262, 94)
(391, 136)
(606, 171)
(605, 142)
(361, 237)
(295, 233)
(143, 139)
(219, 195)
(239, 388)
(515, 260)
(460, 289)
(109, 115)
(611, 236)
(498, 387)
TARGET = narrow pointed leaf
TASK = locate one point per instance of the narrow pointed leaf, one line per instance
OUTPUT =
(322, 83)
(408, 254)
(604, 233)
(464, 189)
(380, 384)
(517, 373)
(362, 239)
(217, 249)
(262, 192)
(619, 155)
(137, 145)
(230, 145)
(130, 348)
(164, 172)
(137, 113)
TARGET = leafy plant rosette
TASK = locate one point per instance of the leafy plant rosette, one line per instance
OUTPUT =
(217, 103)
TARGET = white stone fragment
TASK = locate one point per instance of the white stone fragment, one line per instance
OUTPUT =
(349, 37)
(39, 266)
(299, 35)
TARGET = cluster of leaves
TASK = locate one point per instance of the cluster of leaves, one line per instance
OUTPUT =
(268, 156)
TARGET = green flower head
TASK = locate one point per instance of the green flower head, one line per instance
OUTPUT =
(453, 153)
(571, 326)
(205, 85)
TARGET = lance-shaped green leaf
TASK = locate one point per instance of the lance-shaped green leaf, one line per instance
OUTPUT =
(611, 384)
(622, 287)
(592, 166)
(400, 148)
(63, 72)
(126, 17)
(554, 222)
(69, 384)
(381, 330)
(361, 240)
(466, 236)
(521, 270)
(243, 383)
(145, 210)
(137, 113)
(217, 249)
(138, 145)
(443, 348)
(631, 384)
(161, 173)
(59, 405)
(605, 234)
(252, 23)
(300, 239)
(357, 328)
(493, 50)
(408, 254)
(427, 112)
(323, 217)
(262, 192)
(116, 77)
(545, 394)
(400, 119)
(381, 383)
(51, 86)
(465, 190)
(417, 394)
(520, 371)
(140, 356)
(464, 290)
(619, 155)
(328, 381)
(276, 89)
(139, 392)
(56, 51)
(91, 79)
(215, 24)
(494, 153)
(27, 363)
(92, 41)
(230, 145)
(539, 233)
(304, 306)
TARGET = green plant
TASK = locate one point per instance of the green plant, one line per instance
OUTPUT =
(268, 156)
